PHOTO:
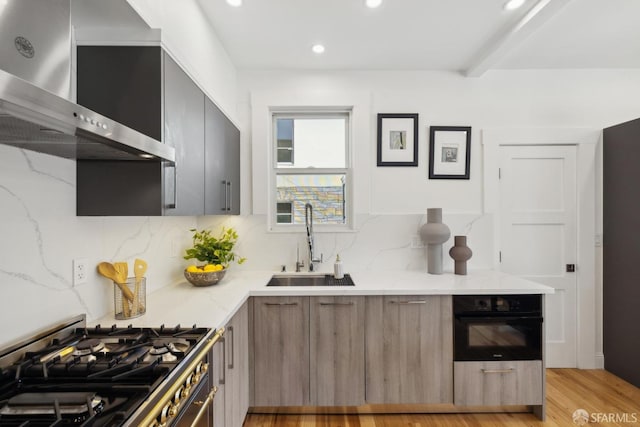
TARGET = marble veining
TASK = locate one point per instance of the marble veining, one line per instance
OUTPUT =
(33, 169)
(40, 236)
(38, 240)
(136, 237)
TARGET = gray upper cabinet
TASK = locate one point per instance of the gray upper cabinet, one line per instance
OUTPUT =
(143, 88)
(183, 130)
(222, 163)
(232, 138)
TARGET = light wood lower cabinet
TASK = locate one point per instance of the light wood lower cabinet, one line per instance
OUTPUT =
(236, 346)
(409, 349)
(498, 383)
(217, 371)
(281, 351)
(337, 351)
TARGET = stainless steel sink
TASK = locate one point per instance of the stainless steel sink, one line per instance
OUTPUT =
(309, 280)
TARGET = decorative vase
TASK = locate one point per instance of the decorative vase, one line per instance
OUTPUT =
(434, 233)
(460, 253)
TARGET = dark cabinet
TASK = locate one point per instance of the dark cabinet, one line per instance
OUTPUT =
(125, 84)
(222, 163)
(621, 217)
(143, 88)
(183, 130)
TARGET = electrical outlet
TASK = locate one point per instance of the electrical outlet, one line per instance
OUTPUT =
(80, 271)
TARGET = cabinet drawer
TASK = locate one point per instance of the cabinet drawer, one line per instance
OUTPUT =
(498, 383)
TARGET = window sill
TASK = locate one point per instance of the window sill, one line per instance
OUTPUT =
(317, 229)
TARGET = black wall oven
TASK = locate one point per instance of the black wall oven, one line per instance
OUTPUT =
(497, 327)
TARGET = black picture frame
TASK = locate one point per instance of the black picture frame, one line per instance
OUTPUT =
(394, 135)
(446, 153)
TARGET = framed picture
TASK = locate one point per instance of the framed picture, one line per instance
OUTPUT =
(397, 140)
(449, 152)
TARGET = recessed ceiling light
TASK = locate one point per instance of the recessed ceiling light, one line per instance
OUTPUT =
(513, 4)
(317, 48)
(235, 3)
(373, 3)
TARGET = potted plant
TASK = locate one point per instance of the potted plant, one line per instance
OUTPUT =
(216, 252)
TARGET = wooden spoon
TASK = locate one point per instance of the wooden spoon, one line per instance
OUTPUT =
(122, 273)
(139, 269)
(109, 271)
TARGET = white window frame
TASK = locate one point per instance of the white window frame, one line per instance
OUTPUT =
(295, 113)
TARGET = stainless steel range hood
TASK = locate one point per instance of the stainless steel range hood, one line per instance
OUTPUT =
(35, 87)
(35, 119)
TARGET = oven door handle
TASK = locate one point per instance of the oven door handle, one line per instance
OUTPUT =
(204, 405)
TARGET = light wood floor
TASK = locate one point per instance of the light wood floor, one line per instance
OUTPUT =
(567, 390)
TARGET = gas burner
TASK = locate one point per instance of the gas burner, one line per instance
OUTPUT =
(168, 348)
(89, 346)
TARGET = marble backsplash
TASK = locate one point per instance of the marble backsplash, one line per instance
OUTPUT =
(40, 236)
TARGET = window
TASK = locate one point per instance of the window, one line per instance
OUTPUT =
(284, 213)
(285, 142)
(311, 165)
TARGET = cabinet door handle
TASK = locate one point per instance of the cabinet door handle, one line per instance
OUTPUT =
(223, 371)
(337, 303)
(498, 371)
(203, 405)
(280, 303)
(418, 301)
(230, 188)
(226, 195)
(175, 185)
(230, 329)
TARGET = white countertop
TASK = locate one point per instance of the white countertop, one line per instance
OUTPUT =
(213, 306)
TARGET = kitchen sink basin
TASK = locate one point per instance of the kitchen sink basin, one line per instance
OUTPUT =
(309, 280)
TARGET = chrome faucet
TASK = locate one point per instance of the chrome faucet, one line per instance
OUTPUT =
(308, 221)
(299, 263)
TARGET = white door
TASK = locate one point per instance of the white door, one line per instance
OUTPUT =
(538, 235)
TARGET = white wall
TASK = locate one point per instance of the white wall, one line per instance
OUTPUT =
(391, 201)
(191, 39)
(516, 99)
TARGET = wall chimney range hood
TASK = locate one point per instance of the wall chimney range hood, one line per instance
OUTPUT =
(36, 119)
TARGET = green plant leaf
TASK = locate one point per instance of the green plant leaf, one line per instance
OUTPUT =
(212, 250)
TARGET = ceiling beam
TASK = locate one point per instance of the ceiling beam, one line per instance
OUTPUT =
(505, 41)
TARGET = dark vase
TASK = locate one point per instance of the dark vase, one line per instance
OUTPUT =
(460, 253)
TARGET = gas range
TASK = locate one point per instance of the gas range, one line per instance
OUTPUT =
(72, 375)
